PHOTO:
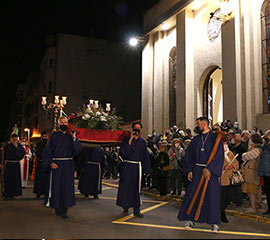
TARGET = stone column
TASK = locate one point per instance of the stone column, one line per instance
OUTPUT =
(158, 83)
(147, 87)
(229, 71)
(181, 70)
(249, 63)
(240, 66)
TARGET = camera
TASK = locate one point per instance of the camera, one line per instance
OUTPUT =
(136, 132)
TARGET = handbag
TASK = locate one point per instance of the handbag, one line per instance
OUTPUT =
(167, 168)
(236, 179)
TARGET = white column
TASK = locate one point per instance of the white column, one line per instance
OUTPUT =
(147, 87)
(240, 66)
(249, 63)
(166, 83)
(189, 71)
(158, 83)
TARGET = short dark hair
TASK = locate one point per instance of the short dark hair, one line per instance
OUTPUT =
(256, 138)
(203, 119)
(14, 135)
(135, 123)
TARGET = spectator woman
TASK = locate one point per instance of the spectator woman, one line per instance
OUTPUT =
(251, 160)
(230, 166)
(176, 155)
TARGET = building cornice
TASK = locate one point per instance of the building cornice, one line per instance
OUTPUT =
(167, 14)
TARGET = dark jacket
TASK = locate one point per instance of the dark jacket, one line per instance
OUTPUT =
(264, 166)
(159, 165)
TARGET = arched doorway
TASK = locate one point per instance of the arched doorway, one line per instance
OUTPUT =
(172, 86)
(213, 96)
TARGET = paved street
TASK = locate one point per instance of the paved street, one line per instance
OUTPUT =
(28, 218)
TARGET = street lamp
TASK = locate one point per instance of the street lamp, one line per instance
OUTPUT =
(58, 105)
(28, 135)
(223, 14)
(134, 41)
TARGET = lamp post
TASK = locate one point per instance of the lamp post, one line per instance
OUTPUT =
(58, 105)
(28, 135)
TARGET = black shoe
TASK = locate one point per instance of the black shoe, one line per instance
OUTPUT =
(96, 197)
(138, 215)
(224, 218)
(125, 212)
(38, 196)
(86, 196)
(57, 211)
(64, 213)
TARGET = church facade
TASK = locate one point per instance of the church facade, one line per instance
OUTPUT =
(206, 58)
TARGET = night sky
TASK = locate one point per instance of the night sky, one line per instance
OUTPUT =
(26, 23)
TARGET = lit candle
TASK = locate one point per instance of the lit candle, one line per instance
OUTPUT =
(44, 102)
(56, 99)
(64, 100)
(108, 107)
(91, 102)
(96, 104)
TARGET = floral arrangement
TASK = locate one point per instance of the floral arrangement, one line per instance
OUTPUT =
(94, 117)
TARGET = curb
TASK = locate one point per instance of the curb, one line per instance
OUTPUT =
(253, 217)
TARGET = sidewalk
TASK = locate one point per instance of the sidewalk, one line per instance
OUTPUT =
(237, 211)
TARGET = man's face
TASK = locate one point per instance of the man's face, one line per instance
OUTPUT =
(202, 125)
(63, 121)
(44, 137)
(138, 127)
(198, 123)
(14, 139)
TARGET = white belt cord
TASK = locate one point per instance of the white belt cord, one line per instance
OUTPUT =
(140, 172)
(99, 172)
(62, 159)
(201, 165)
(50, 189)
(11, 161)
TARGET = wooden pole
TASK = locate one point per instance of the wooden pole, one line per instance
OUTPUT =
(212, 155)
(2, 170)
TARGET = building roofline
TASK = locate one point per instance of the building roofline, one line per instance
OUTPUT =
(167, 14)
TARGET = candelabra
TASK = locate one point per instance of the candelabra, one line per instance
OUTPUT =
(57, 106)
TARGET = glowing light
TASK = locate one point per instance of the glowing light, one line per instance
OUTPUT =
(36, 134)
(197, 4)
(226, 6)
(165, 26)
(133, 42)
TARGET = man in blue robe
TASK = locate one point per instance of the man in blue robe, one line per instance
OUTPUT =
(136, 162)
(58, 158)
(92, 162)
(41, 177)
(195, 161)
(14, 152)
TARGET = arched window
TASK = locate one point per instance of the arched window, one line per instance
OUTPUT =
(172, 87)
(213, 96)
(265, 14)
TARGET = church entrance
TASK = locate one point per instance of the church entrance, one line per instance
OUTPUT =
(213, 96)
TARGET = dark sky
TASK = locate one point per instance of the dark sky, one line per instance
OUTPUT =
(24, 24)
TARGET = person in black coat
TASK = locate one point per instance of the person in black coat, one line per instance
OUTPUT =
(162, 161)
(41, 177)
